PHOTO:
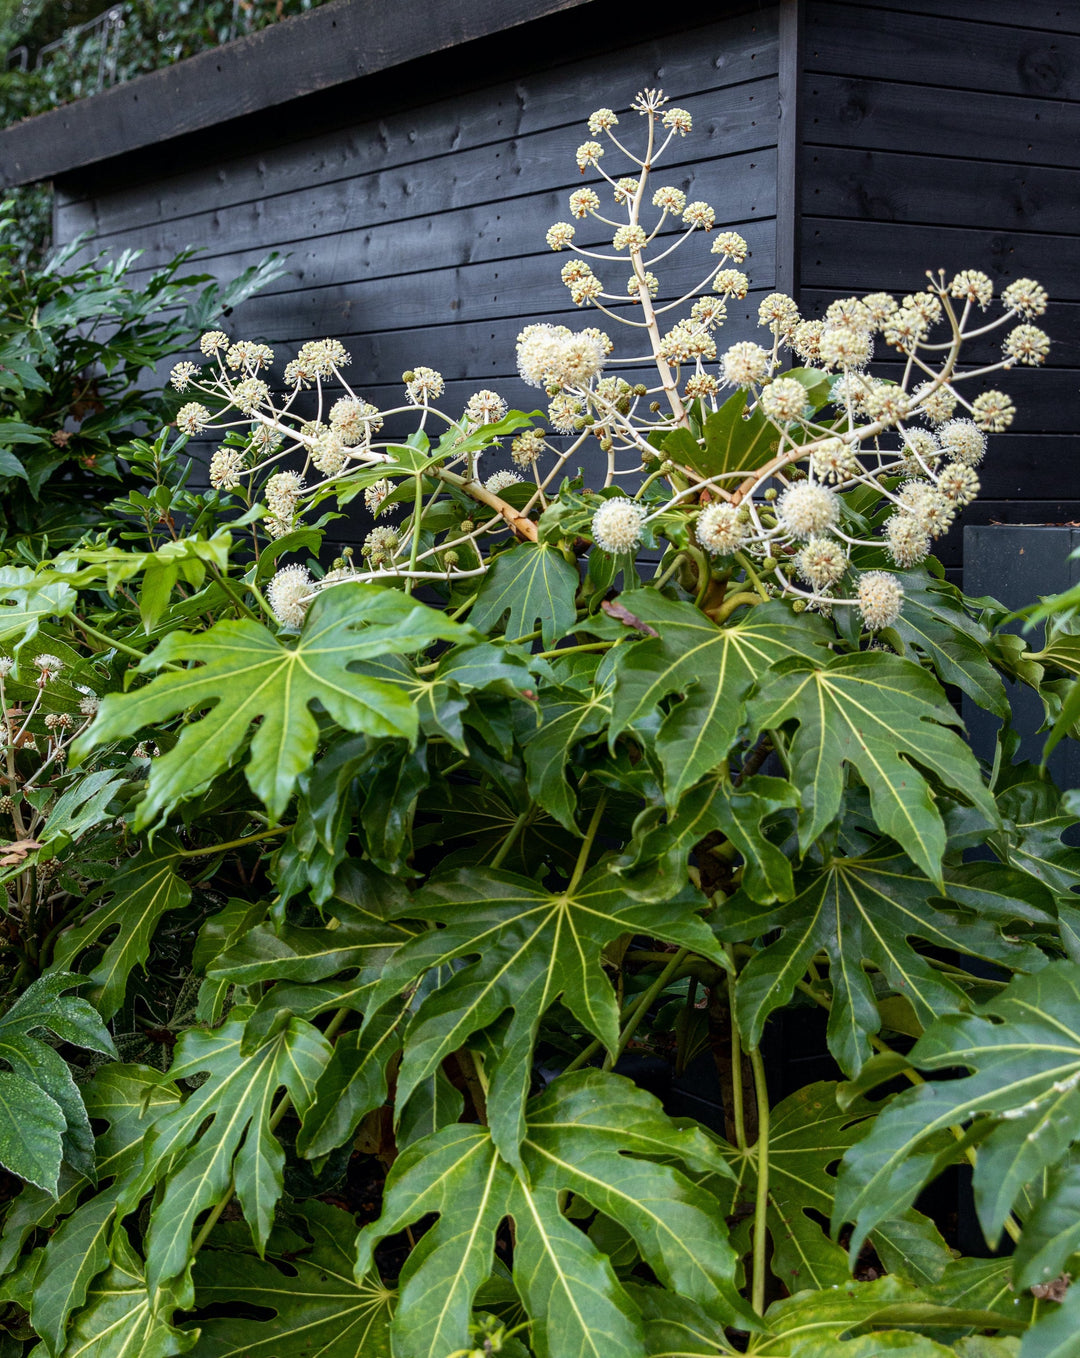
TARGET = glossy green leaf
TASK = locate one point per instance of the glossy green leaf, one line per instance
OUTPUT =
(859, 911)
(580, 1133)
(27, 600)
(709, 669)
(567, 717)
(220, 1134)
(531, 948)
(536, 583)
(317, 1308)
(887, 718)
(73, 1258)
(1057, 1334)
(1023, 1092)
(132, 902)
(247, 675)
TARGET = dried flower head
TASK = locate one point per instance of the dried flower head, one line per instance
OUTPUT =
(720, 529)
(805, 510)
(881, 597)
(287, 594)
(823, 562)
(617, 525)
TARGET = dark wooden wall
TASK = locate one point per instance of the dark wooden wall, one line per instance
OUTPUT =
(944, 134)
(418, 237)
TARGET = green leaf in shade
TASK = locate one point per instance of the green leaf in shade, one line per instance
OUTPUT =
(123, 1318)
(433, 1105)
(935, 624)
(887, 718)
(734, 441)
(579, 1134)
(710, 669)
(353, 1083)
(568, 717)
(73, 1258)
(1051, 1232)
(318, 1309)
(43, 1078)
(742, 813)
(27, 600)
(1057, 1332)
(531, 948)
(220, 1135)
(1035, 816)
(537, 584)
(132, 902)
(248, 675)
(859, 911)
(808, 1133)
(1022, 1097)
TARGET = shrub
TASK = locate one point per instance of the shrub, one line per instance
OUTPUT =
(416, 856)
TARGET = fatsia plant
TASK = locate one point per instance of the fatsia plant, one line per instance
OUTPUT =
(425, 895)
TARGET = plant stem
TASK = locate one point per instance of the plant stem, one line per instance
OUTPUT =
(761, 1200)
(731, 603)
(738, 1113)
(641, 1006)
(511, 836)
(233, 843)
(115, 645)
(572, 650)
(586, 846)
(752, 575)
(227, 585)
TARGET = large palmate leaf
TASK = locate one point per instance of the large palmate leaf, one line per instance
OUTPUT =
(1023, 1093)
(657, 856)
(318, 1308)
(536, 583)
(42, 1115)
(579, 1135)
(531, 948)
(567, 717)
(132, 902)
(733, 441)
(935, 624)
(124, 1318)
(27, 600)
(808, 1133)
(713, 668)
(859, 911)
(246, 675)
(886, 717)
(220, 1134)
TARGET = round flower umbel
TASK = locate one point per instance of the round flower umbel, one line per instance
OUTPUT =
(880, 598)
(720, 529)
(617, 526)
(288, 593)
(805, 510)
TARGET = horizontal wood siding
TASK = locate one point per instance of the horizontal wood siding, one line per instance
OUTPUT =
(945, 134)
(418, 237)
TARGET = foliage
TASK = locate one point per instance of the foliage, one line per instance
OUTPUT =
(353, 907)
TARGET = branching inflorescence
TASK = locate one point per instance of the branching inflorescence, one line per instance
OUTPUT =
(857, 475)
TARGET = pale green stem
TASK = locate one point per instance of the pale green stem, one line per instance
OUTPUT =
(641, 1006)
(586, 847)
(738, 1113)
(511, 836)
(761, 1200)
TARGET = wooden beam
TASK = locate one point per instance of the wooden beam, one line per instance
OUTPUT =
(337, 43)
(788, 148)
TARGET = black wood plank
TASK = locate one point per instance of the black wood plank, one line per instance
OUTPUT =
(323, 48)
(851, 111)
(734, 122)
(1050, 16)
(939, 190)
(856, 256)
(740, 49)
(952, 53)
